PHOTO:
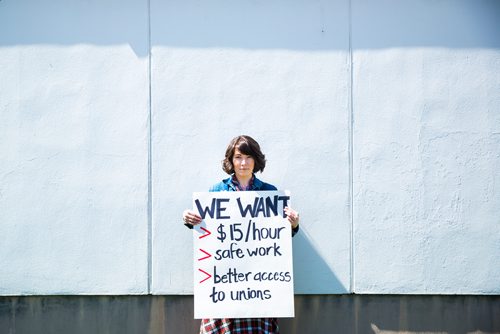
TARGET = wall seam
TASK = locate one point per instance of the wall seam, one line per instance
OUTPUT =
(351, 155)
(150, 167)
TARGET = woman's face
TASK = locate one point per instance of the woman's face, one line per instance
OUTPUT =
(243, 164)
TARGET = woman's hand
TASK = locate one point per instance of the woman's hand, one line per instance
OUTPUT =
(190, 217)
(292, 216)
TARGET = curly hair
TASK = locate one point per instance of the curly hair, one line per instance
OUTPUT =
(246, 145)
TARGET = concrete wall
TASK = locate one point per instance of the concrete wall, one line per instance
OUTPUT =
(382, 118)
(353, 314)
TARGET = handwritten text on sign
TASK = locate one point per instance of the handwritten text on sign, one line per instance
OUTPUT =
(242, 255)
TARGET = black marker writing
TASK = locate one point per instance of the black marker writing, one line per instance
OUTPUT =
(263, 205)
(215, 207)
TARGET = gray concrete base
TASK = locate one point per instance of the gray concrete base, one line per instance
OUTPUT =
(384, 314)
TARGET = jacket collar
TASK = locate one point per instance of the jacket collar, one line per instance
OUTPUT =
(257, 184)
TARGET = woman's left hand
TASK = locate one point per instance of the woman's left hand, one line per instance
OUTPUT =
(292, 216)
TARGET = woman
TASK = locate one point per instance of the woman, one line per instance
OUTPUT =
(243, 159)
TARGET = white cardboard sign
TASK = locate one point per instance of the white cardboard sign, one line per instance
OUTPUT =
(242, 255)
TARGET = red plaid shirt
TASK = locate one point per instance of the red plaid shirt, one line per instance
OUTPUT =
(238, 187)
(241, 326)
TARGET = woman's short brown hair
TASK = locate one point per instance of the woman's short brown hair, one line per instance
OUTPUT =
(246, 145)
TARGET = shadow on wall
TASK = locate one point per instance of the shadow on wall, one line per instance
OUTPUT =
(309, 265)
(280, 24)
(70, 23)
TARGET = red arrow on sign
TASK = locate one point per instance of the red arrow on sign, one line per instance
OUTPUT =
(205, 257)
(208, 275)
(206, 234)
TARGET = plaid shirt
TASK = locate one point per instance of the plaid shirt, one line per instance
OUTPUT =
(241, 326)
(238, 187)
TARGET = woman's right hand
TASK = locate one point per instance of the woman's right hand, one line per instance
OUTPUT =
(191, 218)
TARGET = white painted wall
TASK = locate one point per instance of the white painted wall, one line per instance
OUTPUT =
(278, 72)
(74, 137)
(426, 146)
(73, 147)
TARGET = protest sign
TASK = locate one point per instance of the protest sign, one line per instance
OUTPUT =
(242, 255)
